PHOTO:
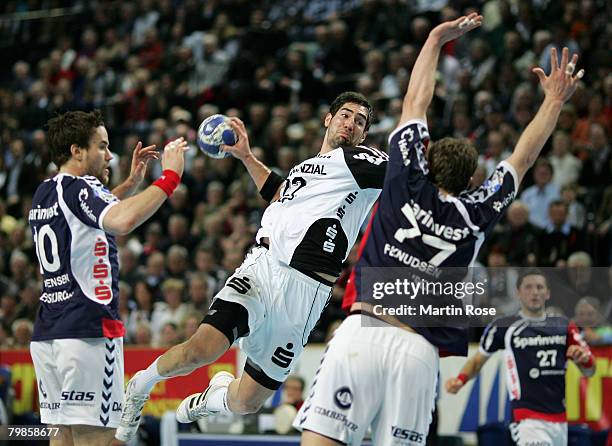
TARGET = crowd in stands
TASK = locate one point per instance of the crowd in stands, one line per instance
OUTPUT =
(157, 68)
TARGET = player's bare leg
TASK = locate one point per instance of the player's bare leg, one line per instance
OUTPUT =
(310, 438)
(224, 394)
(245, 395)
(92, 435)
(63, 437)
(204, 347)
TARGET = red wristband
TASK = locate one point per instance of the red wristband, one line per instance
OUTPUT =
(462, 377)
(168, 181)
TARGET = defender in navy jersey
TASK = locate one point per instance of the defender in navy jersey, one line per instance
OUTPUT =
(77, 345)
(274, 299)
(536, 349)
(425, 221)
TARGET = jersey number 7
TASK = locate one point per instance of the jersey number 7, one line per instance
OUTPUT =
(446, 248)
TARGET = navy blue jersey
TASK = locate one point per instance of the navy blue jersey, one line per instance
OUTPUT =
(535, 362)
(418, 226)
(77, 258)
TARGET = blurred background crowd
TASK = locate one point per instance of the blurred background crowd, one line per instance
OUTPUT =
(156, 68)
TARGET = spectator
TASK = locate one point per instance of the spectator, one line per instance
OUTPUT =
(199, 295)
(597, 168)
(539, 196)
(576, 211)
(559, 239)
(566, 166)
(177, 262)
(22, 330)
(171, 309)
(595, 329)
(517, 238)
(169, 336)
(143, 335)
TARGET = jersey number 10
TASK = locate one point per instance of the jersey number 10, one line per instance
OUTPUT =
(49, 265)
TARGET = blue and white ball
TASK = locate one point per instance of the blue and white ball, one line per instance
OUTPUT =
(212, 133)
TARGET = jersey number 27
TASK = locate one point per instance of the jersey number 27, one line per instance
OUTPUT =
(446, 248)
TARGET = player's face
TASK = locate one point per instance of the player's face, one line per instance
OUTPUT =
(533, 293)
(98, 155)
(347, 126)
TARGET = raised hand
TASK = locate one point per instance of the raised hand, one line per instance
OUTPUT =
(140, 158)
(241, 149)
(173, 157)
(448, 31)
(561, 83)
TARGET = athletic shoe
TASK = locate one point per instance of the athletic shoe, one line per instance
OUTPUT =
(132, 409)
(194, 407)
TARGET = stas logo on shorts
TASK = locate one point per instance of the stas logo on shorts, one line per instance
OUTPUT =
(407, 434)
(75, 395)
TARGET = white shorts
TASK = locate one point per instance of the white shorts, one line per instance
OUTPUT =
(383, 377)
(283, 306)
(533, 432)
(80, 381)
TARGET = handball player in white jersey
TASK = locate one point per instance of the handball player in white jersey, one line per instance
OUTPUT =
(385, 376)
(273, 300)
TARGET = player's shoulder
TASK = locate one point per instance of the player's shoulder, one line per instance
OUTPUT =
(505, 321)
(87, 184)
(411, 130)
(361, 152)
(557, 321)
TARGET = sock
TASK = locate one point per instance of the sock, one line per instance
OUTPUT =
(147, 378)
(217, 400)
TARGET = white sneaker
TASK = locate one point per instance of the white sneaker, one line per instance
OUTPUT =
(193, 407)
(131, 411)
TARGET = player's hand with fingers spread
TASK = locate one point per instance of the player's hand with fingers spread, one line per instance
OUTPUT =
(447, 31)
(562, 82)
(578, 354)
(453, 385)
(173, 157)
(241, 149)
(140, 159)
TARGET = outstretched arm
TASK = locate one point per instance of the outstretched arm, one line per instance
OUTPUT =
(470, 369)
(558, 87)
(258, 171)
(422, 79)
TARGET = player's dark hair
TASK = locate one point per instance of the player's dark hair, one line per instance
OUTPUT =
(73, 127)
(529, 272)
(354, 98)
(452, 162)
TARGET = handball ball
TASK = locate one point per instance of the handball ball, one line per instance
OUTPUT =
(212, 133)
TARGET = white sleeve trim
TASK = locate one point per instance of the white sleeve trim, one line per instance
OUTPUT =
(104, 212)
(401, 127)
(512, 170)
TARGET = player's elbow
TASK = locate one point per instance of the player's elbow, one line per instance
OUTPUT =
(119, 223)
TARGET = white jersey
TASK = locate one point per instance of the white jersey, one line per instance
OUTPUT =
(322, 206)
